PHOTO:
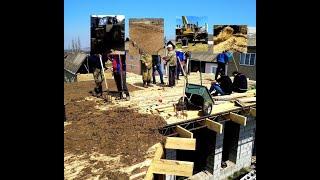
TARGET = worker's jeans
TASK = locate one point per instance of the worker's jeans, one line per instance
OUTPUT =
(157, 68)
(172, 76)
(221, 66)
(216, 87)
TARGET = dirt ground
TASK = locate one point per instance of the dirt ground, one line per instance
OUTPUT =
(97, 144)
(79, 90)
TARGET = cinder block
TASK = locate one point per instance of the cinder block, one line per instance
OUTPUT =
(218, 150)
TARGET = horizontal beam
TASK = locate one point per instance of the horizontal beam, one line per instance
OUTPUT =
(252, 112)
(214, 126)
(180, 143)
(172, 167)
(184, 132)
(238, 118)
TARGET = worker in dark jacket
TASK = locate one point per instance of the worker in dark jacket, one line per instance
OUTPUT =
(222, 85)
(240, 83)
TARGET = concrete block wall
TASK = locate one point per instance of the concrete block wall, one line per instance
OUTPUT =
(244, 150)
(243, 157)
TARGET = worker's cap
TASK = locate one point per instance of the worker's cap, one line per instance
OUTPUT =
(169, 45)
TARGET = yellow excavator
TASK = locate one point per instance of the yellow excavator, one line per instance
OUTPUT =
(191, 32)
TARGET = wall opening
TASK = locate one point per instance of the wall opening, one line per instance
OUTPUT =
(195, 66)
(230, 142)
(205, 146)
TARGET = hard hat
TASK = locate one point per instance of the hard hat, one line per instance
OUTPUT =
(169, 45)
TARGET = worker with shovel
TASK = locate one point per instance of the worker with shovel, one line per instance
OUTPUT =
(146, 60)
(119, 73)
(222, 60)
(171, 60)
(97, 74)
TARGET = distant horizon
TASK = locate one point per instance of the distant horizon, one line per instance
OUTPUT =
(77, 14)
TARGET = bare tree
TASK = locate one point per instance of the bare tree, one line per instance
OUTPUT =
(79, 44)
(75, 45)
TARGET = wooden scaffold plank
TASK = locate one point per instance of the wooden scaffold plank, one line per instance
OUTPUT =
(173, 167)
(184, 132)
(238, 118)
(214, 126)
(180, 143)
(158, 155)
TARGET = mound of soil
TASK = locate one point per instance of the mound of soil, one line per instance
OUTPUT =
(120, 131)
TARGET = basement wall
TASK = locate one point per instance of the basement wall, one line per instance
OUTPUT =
(244, 150)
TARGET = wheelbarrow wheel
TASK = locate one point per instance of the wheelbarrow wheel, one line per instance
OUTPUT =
(183, 102)
(207, 108)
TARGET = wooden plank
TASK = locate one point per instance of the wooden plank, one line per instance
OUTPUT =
(214, 126)
(184, 132)
(149, 175)
(233, 96)
(247, 99)
(180, 143)
(157, 156)
(173, 167)
(252, 112)
(159, 152)
(238, 118)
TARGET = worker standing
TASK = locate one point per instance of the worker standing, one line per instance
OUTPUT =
(119, 73)
(97, 73)
(222, 60)
(156, 66)
(171, 59)
(146, 60)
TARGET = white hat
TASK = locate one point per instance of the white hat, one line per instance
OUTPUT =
(169, 45)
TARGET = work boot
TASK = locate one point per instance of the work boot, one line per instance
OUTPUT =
(153, 82)
(127, 97)
(149, 83)
(145, 84)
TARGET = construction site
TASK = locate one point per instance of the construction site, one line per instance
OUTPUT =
(161, 132)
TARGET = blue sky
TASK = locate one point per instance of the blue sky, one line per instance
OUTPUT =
(77, 14)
